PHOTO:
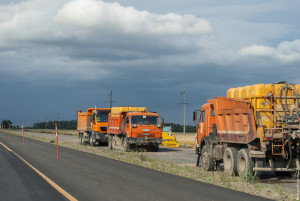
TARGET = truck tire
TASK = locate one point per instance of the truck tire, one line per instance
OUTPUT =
(206, 161)
(125, 144)
(81, 138)
(92, 141)
(109, 142)
(244, 162)
(155, 148)
(229, 160)
(113, 141)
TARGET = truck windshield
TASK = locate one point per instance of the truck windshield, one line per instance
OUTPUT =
(144, 120)
(102, 116)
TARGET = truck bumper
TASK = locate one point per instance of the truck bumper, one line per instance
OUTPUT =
(99, 136)
(145, 141)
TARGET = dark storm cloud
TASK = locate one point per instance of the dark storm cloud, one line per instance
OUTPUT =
(67, 55)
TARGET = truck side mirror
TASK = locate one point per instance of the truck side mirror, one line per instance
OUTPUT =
(162, 121)
(195, 116)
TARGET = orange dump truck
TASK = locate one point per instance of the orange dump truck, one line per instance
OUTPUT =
(133, 126)
(92, 125)
(253, 133)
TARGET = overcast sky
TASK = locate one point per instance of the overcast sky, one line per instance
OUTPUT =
(59, 56)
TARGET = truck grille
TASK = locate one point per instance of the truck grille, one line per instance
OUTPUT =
(103, 128)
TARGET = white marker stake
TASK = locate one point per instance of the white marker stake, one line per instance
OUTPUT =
(23, 133)
(56, 140)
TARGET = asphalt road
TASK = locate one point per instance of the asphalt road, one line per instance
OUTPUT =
(184, 156)
(89, 177)
(19, 182)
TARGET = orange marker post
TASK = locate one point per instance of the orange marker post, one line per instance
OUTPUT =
(8, 130)
(56, 141)
(23, 133)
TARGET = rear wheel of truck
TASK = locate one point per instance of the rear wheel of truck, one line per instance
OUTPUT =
(81, 138)
(109, 142)
(206, 161)
(92, 141)
(125, 144)
(113, 141)
(244, 163)
(155, 148)
(229, 160)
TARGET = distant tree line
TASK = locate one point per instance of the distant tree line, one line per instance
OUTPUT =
(179, 128)
(62, 125)
(72, 125)
(6, 123)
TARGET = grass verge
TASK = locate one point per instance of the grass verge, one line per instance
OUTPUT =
(246, 185)
(185, 140)
(52, 131)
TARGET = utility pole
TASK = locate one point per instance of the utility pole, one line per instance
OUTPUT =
(184, 104)
(111, 99)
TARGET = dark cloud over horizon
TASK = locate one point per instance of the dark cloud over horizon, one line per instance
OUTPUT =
(60, 56)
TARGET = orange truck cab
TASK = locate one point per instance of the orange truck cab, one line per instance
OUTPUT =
(134, 126)
(92, 125)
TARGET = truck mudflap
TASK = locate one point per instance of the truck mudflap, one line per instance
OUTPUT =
(144, 141)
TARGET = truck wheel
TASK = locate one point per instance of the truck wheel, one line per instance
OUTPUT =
(113, 141)
(229, 160)
(109, 142)
(125, 144)
(81, 138)
(207, 162)
(155, 148)
(92, 141)
(244, 162)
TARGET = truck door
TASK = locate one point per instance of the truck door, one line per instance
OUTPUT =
(201, 126)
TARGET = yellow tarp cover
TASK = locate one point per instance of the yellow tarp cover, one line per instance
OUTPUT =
(115, 111)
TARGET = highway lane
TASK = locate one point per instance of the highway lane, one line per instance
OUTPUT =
(19, 182)
(89, 177)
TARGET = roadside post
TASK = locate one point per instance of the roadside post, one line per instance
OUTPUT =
(2, 129)
(23, 133)
(56, 140)
(9, 130)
